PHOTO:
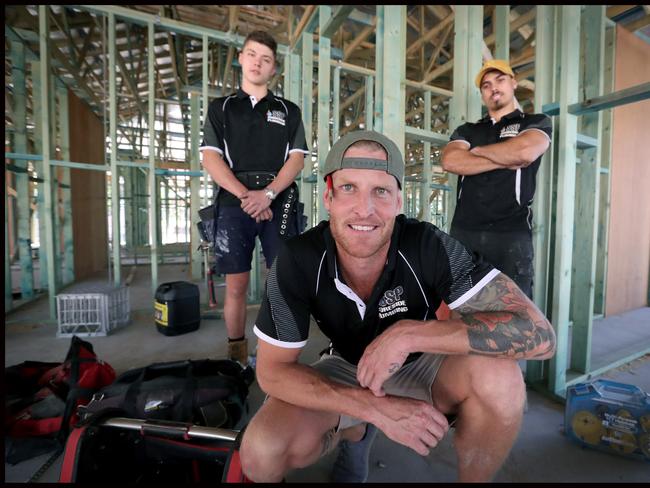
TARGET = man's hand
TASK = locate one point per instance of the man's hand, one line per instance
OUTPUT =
(412, 423)
(254, 203)
(383, 357)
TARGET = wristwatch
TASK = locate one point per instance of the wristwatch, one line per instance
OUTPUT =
(270, 193)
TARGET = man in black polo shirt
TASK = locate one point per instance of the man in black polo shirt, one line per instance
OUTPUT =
(373, 280)
(497, 159)
(253, 147)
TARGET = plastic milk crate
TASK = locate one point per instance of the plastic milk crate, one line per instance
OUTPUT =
(609, 416)
(94, 312)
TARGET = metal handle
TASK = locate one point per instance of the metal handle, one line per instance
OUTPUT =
(173, 428)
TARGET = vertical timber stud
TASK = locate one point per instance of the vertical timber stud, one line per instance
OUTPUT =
(425, 189)
(465, 105)
(8, 286)
(379, 69)
(23, 199)
(370, 110)
(605, 164)
(324, 92)
(115, 175)
(336, 98)
(44, 34)
(568, 90)
(306, 188)
(37, 108)
(68, 242)
(502, 32)
(195, 184)
(587, 192)
(393, 74)
(153, 190)
(544, 76)
(206, 179)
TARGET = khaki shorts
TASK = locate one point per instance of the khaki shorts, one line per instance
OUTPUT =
(413, 380)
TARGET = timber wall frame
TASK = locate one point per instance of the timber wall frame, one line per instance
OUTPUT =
(568, 282)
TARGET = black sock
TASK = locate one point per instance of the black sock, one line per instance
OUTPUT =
(237, 339)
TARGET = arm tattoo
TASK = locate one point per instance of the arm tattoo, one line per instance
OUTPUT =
(393, 367)
(502, 323)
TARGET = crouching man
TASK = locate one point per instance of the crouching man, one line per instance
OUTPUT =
(372, 280)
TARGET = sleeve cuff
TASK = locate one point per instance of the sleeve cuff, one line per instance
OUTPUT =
(275, 342)
(474, 290)
(212, 148)
(460, 140)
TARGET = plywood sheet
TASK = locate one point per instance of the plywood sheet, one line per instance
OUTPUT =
(629, 225)
(88, 190)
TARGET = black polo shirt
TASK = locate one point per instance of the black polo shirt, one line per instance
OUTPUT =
(253, 135)
(498, 200)
(424, 266)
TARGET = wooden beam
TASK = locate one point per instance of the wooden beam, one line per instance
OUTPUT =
(638, 24)
(363, 35)
(339, 16)
(441, 42)
(430, 35)
(616, 10)
(307, 15)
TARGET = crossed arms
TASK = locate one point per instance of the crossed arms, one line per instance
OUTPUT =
(514, 153)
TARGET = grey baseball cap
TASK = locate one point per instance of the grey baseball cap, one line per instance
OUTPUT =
(394, 165)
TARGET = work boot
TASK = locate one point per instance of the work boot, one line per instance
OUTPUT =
(351, 465)
(238, 351)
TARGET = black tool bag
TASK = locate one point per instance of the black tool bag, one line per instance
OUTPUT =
(115, 450)
(205, 392)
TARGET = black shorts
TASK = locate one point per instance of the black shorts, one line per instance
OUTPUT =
(235, 239)
(510, 252)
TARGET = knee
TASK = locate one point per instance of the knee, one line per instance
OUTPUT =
(499, 385)
(261, 460)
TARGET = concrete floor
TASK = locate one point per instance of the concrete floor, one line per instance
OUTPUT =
(541, 454)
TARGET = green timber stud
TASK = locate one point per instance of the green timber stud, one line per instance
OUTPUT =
(393, 74)
(152, 183)
(306, 189)
(37, 110)
(501, 17)
(587, 192)
(195, 183)
(43, 34)
(565, 205)
(465, 105)
(64, 141)
(544, 82)
(336, 99)
(425, 189)
(56, 215)
(206, 180)
(369, 108)
(23, 200)
(379, 69)
(8, 285)
(605, 177)
(115, 178)
(324, 94)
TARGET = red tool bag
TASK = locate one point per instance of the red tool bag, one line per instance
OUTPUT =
(116, 450)
(41, 399)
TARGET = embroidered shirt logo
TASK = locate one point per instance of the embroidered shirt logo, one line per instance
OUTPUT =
(511, 130)
(275, 116)
(391, 303)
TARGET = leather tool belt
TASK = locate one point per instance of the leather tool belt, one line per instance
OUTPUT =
(255, 180)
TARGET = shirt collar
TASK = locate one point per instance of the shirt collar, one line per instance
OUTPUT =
(242, 94)
(515, 113)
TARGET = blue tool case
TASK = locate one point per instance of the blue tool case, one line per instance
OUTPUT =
(609, 416)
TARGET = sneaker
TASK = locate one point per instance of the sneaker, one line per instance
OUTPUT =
(351, 465)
